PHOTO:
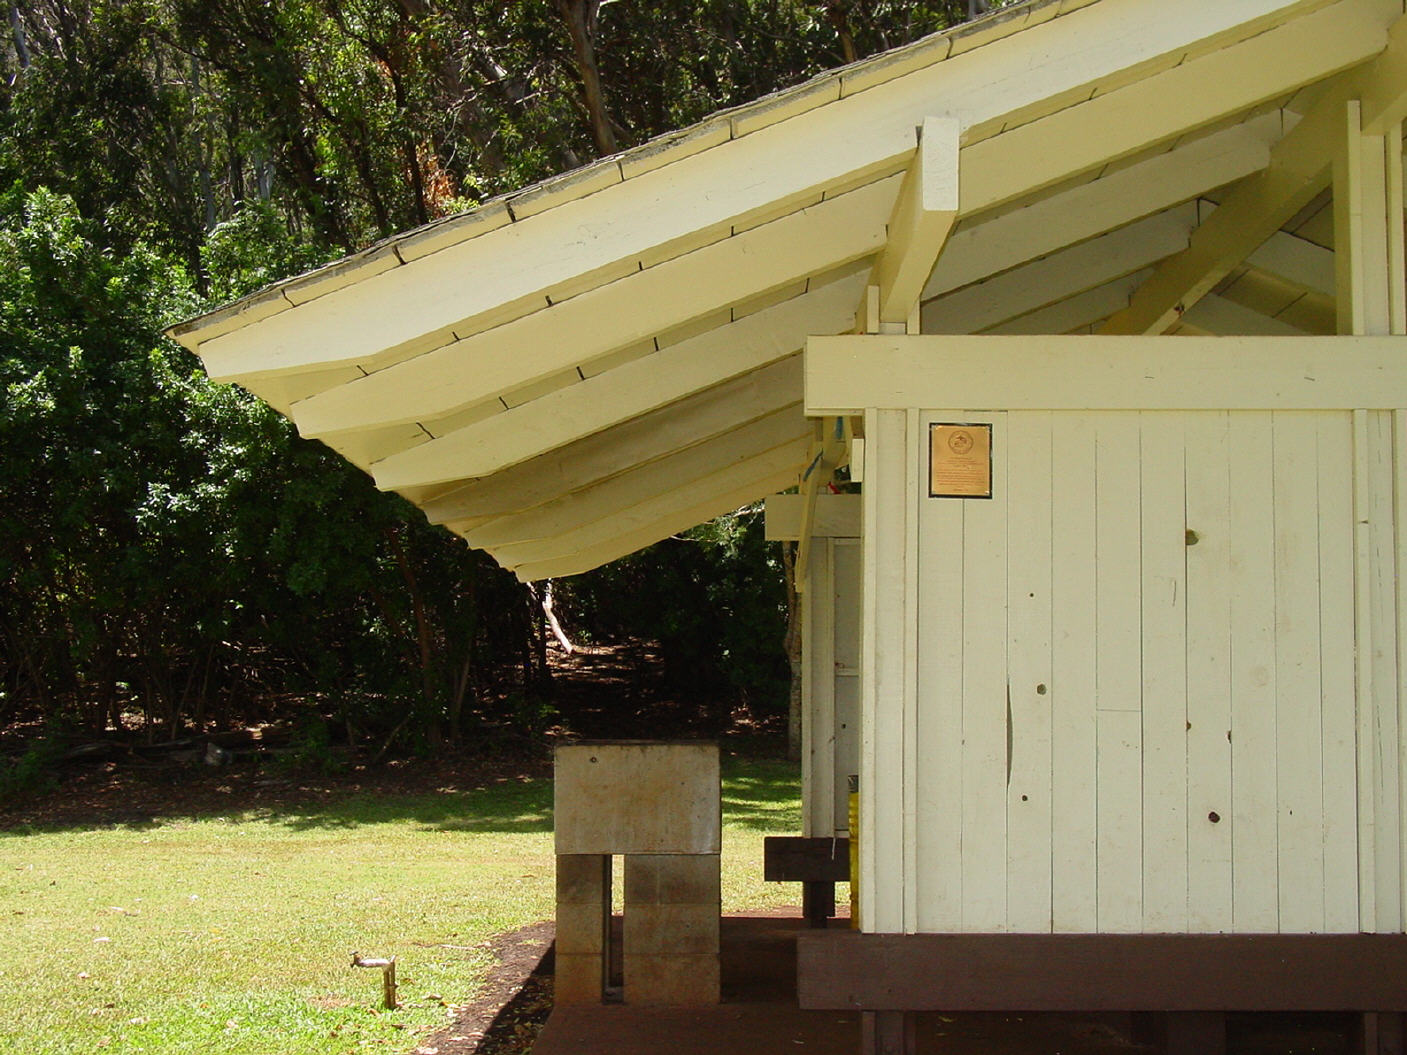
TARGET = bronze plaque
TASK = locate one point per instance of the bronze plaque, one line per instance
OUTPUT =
(959, 461)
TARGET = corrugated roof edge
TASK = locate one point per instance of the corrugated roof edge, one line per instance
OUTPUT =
(652, 154)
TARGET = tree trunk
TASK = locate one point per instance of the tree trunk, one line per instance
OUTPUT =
(17, 31)
(839, 19)
(794, 657)
(551, 614)
(580, 17)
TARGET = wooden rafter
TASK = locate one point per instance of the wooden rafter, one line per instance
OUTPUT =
(1299, 169)
(979, 250)
(678, 469)
(921, 220)
(1061, 274)
(609, 399)
(602, 455)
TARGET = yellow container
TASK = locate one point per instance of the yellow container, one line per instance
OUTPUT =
(854, 852)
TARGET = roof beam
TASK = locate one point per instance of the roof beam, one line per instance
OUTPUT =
(978, 250)
(604, 454)
(785, 461)
(1217, 316)
(1060, 275)
(593, 555)
(1297, 260)
(848, 374)
(1299, 169)
(668, 208)
(679, 469)
(1192, 95)
(644, 306)
(616, 396)
(921, 220)
(1077, 312)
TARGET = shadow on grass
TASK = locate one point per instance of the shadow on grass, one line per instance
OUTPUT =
(762, 794)
(758, 795)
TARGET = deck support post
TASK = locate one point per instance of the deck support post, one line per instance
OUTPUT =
(888, 1033)
(1380, 1033)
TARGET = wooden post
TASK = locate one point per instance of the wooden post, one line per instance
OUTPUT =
(888, 1033)
(388, 976)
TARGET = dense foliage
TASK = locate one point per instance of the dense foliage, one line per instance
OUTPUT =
(170, 551)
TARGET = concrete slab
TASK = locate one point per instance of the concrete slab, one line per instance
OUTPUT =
(637, 797)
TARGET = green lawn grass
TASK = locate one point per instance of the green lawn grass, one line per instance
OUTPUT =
(232, 934)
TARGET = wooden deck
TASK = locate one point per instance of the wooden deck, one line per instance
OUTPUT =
(759, 1016)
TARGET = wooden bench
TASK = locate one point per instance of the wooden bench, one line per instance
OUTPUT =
(817, 863)
(1192, 980)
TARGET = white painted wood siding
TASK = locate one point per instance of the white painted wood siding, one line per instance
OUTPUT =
(1136, 685)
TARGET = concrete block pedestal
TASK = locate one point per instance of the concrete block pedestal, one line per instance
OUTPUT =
(658, 805)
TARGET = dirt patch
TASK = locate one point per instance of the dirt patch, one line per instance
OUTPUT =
(507, 1013)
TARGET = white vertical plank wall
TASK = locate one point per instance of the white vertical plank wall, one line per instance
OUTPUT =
(940, 733)
(1028, 791)
(1207, 545)
(1136, 683)
(1074, 812)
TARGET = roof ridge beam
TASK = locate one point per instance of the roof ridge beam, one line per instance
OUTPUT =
(1300, 167)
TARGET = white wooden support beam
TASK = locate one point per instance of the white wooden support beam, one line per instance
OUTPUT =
(1299, 169)
(679, 469)
(654, 508)
(645, 305)
(1062, 274)
(1368, 242)
(837, 516)
(1366, 238)
(978, 250)
(619, 395)
(831, 442)
(674, 514)
(851, 373)
(922, 218)
(580, 465)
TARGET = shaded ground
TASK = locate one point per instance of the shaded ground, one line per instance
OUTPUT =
(505, 1016)
(599, 692)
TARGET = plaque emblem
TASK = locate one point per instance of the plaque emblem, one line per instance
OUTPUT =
(959, 460)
